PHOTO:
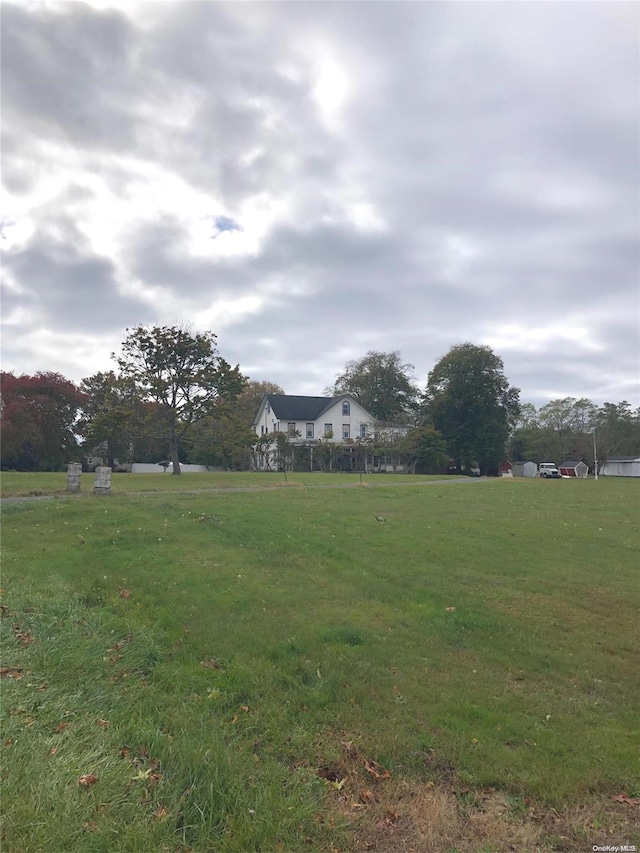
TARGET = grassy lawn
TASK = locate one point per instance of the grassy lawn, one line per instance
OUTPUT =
(431, 667)
(16, 484)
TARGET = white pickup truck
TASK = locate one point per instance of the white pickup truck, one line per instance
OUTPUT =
(549, 470)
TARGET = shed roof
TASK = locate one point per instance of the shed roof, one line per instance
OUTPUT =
(572, 464)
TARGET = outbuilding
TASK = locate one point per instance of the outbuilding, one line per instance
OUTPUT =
(574, 469)
(621, 466)
(525, 469)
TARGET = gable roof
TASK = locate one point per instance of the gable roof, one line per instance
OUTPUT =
(289, 407)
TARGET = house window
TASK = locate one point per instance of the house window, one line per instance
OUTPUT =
(309, 430)
(346, 430)
(328, 429)
(291, 429)
(346, 408)
(363, 430)
(262, 430)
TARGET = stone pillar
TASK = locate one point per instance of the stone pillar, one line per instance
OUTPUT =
(74, 472)
(102, 483)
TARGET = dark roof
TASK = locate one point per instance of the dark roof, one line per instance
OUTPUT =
(287, 407)
(572, 464)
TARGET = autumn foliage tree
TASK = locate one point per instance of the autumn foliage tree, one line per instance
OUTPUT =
(179, 377)
(38, 420)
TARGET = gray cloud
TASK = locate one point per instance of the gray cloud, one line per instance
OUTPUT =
(477, 179)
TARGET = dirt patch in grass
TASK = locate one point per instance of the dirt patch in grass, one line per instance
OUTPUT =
(413, 819)
(388, 815)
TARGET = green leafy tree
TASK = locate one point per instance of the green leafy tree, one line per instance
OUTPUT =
(227, 438)
(107, 416)
(180, 376)
(382, 384)
(470, 402)
(425, 451)
(617, 428)
(118, 424)
(223, 440)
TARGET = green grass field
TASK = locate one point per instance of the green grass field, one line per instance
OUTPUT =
(307, 668)
(14, 484)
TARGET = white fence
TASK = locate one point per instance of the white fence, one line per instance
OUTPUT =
(147, 468)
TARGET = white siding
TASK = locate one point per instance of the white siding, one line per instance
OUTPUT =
(356, 417)
(615, 468)
(525, 469)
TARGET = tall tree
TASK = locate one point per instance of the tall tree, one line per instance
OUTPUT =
(382, 384)
(227, 439)
(38, 421)
(181, 375)
(107, 415)
(470, 402)
(425, 451)
(617, 428)
(246, 406)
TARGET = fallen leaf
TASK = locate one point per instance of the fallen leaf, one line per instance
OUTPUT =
(104, 724)
(161, 813)
(390, 817)
(244, 708)
(234, 719)
(7, 742)
(61, 727)
(141, 776)
(211, 664)
(24, 636)
(450, 609)
(367, 796)
(625, 798)
(87, 780)
(4, 609)
(10, 672)
(124, 593)
(125, 751)
(53, 750)
(90, 826)
(375, 770)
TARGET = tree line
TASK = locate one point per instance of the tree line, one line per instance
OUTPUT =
(173, 398)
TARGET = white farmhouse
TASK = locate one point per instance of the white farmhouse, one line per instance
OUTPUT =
(332, 418)
(311, 421)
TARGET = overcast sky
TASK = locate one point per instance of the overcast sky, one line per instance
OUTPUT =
(314, 180)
